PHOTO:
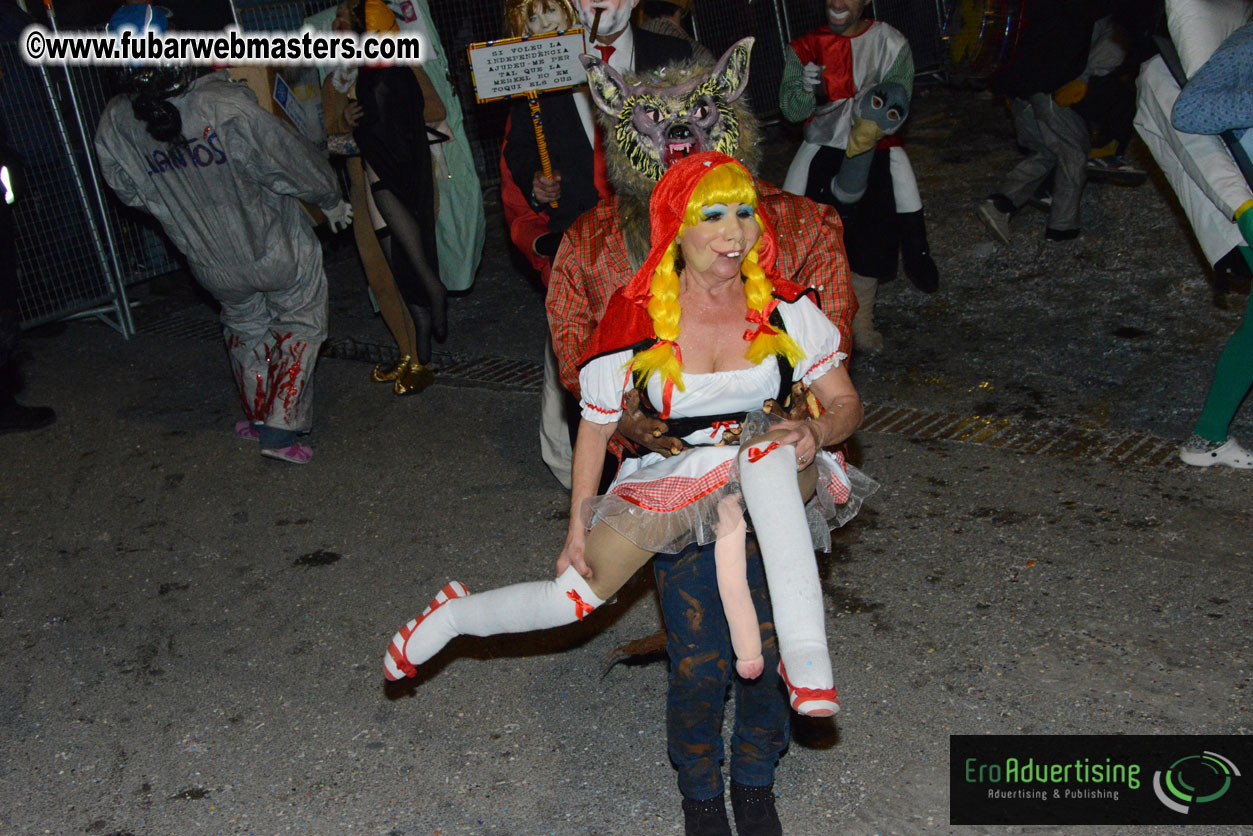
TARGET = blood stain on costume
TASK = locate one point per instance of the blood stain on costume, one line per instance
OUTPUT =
(319, 558)
(289, 380)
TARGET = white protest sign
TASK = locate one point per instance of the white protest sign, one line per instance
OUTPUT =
(516, 66)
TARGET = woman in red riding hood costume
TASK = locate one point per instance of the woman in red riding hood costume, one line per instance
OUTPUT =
(707, 331)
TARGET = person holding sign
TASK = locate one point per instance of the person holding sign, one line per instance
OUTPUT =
(580, 180)
(539, 207)
(526, 139)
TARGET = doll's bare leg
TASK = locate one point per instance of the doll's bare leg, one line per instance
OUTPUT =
(771, 491)
(519, 608)
(737, 600)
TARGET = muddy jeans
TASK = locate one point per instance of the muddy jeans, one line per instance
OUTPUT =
(702, 665)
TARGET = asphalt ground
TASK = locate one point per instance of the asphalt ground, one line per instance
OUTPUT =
(191, 635)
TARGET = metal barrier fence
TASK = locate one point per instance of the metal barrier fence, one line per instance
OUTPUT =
(980, 36)
(76, 246)
(278, 16)
(79, 248)
(920, 22)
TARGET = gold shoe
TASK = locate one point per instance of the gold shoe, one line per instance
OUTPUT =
(415, 378)
(382, 373)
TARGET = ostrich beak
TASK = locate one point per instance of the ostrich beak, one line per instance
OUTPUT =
(862, 137)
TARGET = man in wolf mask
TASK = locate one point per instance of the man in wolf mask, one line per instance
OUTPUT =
(650, 120)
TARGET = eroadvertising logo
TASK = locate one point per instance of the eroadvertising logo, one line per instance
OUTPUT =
(1211, 772)
(1099, 779)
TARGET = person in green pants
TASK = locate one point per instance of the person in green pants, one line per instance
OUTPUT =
(1214, 101)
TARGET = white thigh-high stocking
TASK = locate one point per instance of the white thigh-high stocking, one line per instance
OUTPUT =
(771, 492)
(737, 600)
(519, 608)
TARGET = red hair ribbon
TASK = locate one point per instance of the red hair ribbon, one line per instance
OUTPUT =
(719, 426)
(581, 607)
(755, 453)
(762, 318)
(667, 389)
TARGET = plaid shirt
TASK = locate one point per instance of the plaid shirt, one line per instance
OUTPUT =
(592, 263)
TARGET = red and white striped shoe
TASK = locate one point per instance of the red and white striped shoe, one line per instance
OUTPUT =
(396, 664)
(811, 702)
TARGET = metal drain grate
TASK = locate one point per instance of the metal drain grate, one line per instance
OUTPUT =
(1120, 446)
(180, 325)
(1054, 438)
(458, 370)
(488, 372)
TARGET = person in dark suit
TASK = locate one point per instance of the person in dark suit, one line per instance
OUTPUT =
(14, 417)
(578, 182)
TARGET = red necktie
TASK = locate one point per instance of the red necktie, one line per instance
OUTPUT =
(605, 52)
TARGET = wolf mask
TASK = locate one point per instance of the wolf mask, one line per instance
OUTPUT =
(654, 118)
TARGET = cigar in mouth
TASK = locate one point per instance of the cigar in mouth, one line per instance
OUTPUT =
(596, 24)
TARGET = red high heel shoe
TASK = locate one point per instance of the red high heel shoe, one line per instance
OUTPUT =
(811, 702)
(395, 664)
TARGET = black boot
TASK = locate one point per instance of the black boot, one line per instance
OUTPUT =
(754, 810)
(706, 818)
(1231, 272)
(915, 254)
(15, 418)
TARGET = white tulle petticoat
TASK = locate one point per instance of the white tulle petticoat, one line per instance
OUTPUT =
(670, 503)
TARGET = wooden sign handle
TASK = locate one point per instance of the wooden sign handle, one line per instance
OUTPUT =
(541, 143)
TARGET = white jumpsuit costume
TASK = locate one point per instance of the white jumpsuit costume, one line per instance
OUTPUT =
(228, 201)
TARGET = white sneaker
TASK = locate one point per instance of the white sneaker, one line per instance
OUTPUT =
(1198, 452)
(996, 221)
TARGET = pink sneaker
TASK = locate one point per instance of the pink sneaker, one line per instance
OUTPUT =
(296, 454)
(396, 664)
(247, 430)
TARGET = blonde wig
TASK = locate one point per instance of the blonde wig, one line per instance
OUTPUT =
(727, 183)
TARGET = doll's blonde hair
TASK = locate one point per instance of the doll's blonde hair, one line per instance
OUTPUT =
(517, 12)
(725, 184)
